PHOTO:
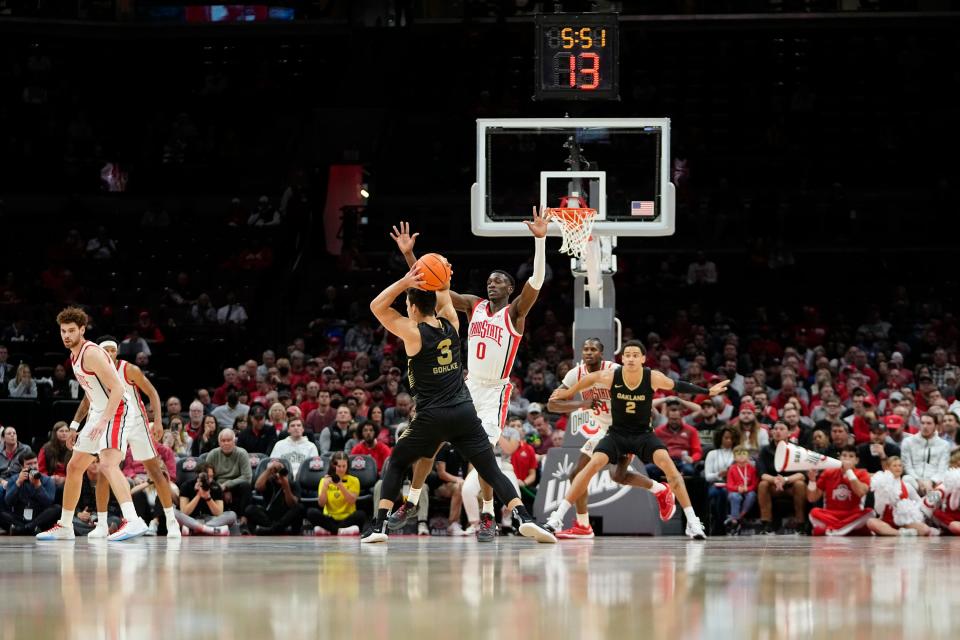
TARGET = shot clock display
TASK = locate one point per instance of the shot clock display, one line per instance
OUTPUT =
(578, 56)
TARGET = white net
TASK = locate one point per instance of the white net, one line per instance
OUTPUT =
(575, 225)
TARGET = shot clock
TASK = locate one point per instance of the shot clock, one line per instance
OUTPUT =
(578, 57)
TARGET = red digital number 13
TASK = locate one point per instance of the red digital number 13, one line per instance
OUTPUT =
(593, 70)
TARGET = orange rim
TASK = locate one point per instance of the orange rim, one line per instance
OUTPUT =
(572, 214)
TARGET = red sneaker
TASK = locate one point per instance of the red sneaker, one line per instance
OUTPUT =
(576, 532)
(667, 502)
(819, 531)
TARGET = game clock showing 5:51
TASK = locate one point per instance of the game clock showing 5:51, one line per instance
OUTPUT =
(578, 56)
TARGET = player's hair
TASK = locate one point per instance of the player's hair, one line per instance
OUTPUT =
(513, 283)
(634, 343)
(424, 301)
(849, 449)
(74, 315)
(109, 337)
(597, 340)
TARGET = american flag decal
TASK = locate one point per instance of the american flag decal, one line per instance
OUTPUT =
(642, 208)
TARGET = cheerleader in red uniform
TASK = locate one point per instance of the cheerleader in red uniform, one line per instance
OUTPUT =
(945, 501)
(898, 505)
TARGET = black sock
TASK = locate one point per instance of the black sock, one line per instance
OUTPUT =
(381, 516)
(521, 513)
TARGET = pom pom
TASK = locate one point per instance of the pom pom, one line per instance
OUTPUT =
(907, 512)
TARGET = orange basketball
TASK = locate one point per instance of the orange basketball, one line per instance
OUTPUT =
(435, 270)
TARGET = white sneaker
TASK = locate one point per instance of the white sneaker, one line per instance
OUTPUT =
(349, 531)
(471, 530)
(695, 530)
(128, 530)
(56, 532)
(320, 531)
(185, 531)
(456, 530)
(371, 536)
(99, 533)
(423, 529)
(173, 531)
(907, 532)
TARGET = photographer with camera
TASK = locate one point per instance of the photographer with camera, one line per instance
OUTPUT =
(29, 499)
(337, 497)
(282, 512)
(201, 506)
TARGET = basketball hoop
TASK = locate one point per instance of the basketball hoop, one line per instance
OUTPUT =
(575, 225)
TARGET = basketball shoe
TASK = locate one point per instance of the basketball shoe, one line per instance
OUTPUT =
(576, 532)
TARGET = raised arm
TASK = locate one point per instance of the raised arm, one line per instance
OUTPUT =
(399, 325)
(666, 383)
(603, 378)
(405, 241)
(445, 308)
(521, 306)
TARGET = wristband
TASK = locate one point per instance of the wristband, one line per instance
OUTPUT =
(811, 486)
(685, 387)
(74, 425)
(850, 475)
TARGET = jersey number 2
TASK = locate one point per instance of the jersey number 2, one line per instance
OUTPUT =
(631, 407)
(446, 356)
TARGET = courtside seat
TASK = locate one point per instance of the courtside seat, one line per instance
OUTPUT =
(364, 467)
(309, 476)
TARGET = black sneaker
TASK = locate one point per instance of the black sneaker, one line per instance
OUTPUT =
(402, 516)
(530, 529)
(767, 529)
(373, 534)
(487, 531)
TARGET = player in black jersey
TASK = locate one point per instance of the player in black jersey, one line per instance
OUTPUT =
(445, 411)
(631, 396)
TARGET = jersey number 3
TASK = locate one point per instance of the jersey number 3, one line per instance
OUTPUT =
(446, 356)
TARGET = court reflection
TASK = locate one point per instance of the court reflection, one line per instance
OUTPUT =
(254, 588)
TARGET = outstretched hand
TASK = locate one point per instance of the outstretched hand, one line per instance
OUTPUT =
(402, 237)
(537, 226)
(719, 388)
(561, 394)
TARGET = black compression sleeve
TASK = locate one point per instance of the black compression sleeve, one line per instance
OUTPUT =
(685, 387)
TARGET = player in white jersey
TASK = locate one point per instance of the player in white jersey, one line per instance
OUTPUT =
(495, 331)
(105, 433)
(591, 414)
(139, 439)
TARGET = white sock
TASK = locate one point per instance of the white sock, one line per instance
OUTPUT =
(66, 519)
(414, 496)
(690, 514)
(657, 488)
(487, 507)
(129, 513)
(103, 520)
(171, 517)
(562, 510)
(583, 519)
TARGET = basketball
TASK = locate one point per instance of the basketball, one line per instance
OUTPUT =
(436, 271)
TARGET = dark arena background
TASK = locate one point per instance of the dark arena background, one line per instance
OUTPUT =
(771, 186)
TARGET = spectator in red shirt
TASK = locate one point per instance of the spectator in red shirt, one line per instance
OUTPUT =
(742, 484)
(842, 491)
(681, 440)
(230, 382)
(322, 415)
(55, 454)
(309, 402)
(524, 461)
(370, 446)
